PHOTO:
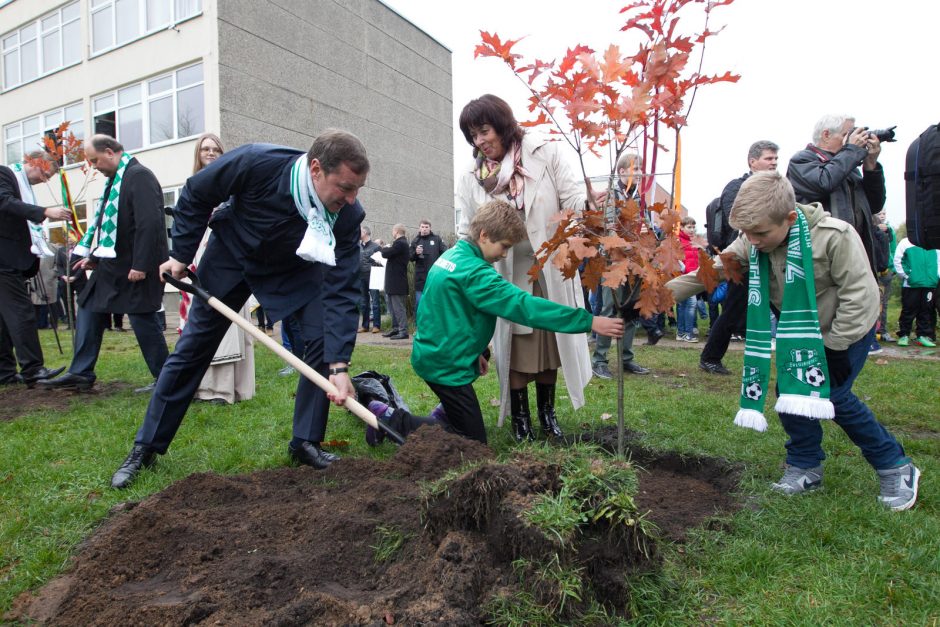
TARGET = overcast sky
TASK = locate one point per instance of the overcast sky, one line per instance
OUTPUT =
(798, 59)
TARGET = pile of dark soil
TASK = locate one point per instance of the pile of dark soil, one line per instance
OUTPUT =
(296, 546)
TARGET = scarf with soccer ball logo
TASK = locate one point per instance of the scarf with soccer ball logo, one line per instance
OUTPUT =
(802, 372)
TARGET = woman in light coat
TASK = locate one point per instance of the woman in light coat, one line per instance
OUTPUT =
(530, 174)
(231, 376)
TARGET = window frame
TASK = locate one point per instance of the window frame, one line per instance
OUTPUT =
(40, 119)
(100, 6)
(38, 38)
(144, 102)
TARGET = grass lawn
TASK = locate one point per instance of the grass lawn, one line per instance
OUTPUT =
(830, 557)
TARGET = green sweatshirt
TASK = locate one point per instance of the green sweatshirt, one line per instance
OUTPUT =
(461, 300)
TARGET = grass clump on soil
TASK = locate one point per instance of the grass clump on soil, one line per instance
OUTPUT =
(389, 541)
(567, 521)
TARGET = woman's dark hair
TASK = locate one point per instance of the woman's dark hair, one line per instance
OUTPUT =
(492, 110)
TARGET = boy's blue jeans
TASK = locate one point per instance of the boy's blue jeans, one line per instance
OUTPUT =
(880, 448)
(685, 315)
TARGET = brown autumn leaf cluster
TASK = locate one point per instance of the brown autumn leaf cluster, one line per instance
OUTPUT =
(618, 101)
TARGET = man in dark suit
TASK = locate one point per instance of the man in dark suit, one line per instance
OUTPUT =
(126, 264)
(396, 282)
(17, 263)
(290, 236)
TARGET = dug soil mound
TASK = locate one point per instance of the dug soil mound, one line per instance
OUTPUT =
(364, 542)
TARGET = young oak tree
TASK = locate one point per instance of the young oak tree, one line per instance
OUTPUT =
(615, 101)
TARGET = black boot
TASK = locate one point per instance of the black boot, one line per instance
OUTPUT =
(521, 419)
(545, 397)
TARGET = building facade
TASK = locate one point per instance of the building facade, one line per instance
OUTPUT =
(158, 73)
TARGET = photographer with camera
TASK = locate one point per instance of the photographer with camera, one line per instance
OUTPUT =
(826, 171)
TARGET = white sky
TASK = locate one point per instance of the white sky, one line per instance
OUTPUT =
(798, 59)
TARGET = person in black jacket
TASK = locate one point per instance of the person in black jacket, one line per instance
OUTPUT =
(368, 299)
(125, 277)
(761, 156)
(18, 332)
(396, 282)
(426, 247)
(826, 171)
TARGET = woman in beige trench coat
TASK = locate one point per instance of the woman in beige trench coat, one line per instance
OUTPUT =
(531, 174)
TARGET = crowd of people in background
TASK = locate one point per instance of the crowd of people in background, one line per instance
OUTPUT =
(261, 202)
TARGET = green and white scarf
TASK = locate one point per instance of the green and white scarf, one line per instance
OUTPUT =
(318, 243)
(802, 372)
(39, 246)
(107, 238)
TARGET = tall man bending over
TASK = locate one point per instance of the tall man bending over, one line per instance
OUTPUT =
(290, 235)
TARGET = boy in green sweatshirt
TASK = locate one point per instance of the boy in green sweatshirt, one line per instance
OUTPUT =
(461, 300)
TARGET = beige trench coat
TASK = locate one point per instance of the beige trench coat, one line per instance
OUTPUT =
(553, 186)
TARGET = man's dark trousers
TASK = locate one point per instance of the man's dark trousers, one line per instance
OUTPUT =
(732, 319)
(89, 329)
(222, 277)
(17, 326)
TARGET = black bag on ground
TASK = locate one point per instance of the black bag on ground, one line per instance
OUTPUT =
(922, 189)
(374, 386)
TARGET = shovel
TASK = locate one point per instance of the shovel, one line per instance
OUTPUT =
(324, 384)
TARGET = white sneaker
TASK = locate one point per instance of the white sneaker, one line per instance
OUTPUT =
(899, 487)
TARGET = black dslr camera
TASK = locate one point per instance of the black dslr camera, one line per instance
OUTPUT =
(883, 134)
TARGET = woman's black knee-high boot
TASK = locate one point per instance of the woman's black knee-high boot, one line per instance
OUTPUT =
(545, 398)
(521, 418)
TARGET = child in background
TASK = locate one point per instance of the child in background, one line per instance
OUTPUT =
(685, 309)
(462, 298)
(813, 268)
(920, 270)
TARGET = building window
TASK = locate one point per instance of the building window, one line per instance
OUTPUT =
(41, 47)
(26, 135)
(116, 22)
(57, 230)
(160, 109)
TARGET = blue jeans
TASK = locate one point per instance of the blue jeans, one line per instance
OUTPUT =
(89, 329)
(880, 448)
(685, 316)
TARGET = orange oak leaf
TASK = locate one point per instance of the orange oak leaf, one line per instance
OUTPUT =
(732, 267)
(707, 273)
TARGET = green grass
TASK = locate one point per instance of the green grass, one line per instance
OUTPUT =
(829, 557)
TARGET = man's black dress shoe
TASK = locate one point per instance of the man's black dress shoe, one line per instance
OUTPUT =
(399, 336)
(390, 333)
(68, 381)
(41, 375)
(634, 368)
(139, 457)
(310, 454)
(653, 337)
(12, 379)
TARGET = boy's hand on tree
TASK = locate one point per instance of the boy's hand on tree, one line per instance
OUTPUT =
(610, 327)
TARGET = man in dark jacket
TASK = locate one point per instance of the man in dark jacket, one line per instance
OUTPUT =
(425, 248)
(125, 258)
(761, 157)
(290, 236)
(396, 282)
(826, 171)
(368, 299)
(17, 263)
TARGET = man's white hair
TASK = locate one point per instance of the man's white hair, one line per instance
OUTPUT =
(830, 122)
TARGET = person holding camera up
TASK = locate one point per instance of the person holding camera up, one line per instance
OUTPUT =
(826, 172)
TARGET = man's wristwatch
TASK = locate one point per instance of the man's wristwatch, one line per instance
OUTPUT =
(339, 370)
